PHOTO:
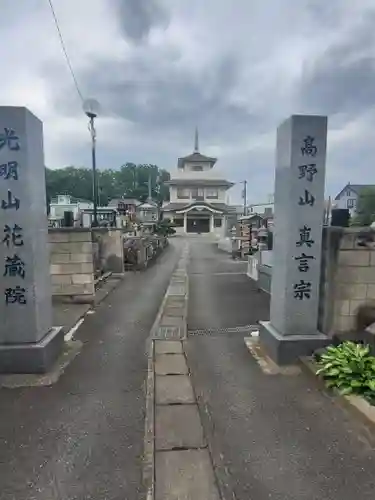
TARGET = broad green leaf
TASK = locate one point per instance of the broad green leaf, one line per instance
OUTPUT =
(346, 390)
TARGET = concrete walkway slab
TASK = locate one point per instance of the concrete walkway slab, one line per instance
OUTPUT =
(169, 333)
(175, 311)
(185, 475)
(177, 290)
(170, 364)
(171, 320)
(179, 280)
(175, 301)
(168, 347)
(173, 389)
(178, 427)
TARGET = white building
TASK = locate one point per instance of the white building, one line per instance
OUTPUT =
(348, 197)
(148, 212)
(198, 195)
(261, 209)
(66, 203)
(264, 208)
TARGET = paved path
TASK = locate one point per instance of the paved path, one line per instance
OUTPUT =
(83, 437)
(220, 291)
(271, 437)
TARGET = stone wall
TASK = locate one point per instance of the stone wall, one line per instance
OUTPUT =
(353, 279)
(71, 263)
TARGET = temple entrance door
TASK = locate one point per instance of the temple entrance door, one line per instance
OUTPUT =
(198, 225)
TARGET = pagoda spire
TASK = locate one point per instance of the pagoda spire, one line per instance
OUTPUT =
(196, 141)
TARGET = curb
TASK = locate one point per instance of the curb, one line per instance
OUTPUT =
(149, 437)
(171, 477)
(356, 406)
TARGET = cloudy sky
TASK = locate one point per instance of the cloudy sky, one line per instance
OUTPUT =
(235, 68)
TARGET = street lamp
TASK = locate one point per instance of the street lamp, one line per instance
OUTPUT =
(91, 108)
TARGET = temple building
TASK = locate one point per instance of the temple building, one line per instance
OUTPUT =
(198, 195)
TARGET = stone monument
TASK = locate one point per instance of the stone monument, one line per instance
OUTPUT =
(298, 225)
(28, 343)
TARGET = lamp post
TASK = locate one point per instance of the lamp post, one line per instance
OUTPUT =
(91, 109)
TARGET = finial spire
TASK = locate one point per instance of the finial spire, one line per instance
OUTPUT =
(196, 142)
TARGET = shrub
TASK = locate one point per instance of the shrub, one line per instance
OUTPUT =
(165, 228)
(349, 368)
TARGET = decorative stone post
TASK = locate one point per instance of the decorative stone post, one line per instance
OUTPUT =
(299, 208)
(28, 343)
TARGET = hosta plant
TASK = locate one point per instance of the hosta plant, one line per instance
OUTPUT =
(350, 368)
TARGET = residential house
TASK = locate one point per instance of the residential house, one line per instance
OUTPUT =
(348, 197)
(125, 206)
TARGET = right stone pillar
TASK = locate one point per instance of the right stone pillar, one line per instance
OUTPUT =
(299, 208)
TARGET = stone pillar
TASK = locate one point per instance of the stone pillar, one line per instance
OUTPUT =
(212, 223)
(185, 222)
(224, 229)
(28, 343)
(299, 207)
(112, 254)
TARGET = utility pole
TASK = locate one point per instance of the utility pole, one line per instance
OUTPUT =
(91, 109)
(244, 195)
(149, 186)
(94, 174)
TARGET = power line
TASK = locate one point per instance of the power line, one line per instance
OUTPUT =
(65, 51)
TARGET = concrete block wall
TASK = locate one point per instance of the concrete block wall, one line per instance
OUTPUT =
(71, 262)
(353, 280)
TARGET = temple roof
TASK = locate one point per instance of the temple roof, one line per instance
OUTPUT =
(173, 207)
(196, 157)
(199, 182)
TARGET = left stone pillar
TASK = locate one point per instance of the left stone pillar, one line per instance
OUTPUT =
(28, 342)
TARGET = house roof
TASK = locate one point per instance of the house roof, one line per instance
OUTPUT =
(127, 201)
(72, 199)
(199, 182)
(173, 207)
(357, 188)
(196, 156)
(147, 205)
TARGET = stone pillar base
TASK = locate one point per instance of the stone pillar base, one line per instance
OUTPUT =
(287, 349)
(32, 358)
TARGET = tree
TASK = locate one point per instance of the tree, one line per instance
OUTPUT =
(165, 228)
(365, 213)
(131, 180)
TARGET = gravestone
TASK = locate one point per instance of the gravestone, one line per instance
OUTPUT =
(298, 225)
(28, 343)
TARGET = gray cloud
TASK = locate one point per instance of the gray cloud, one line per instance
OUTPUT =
(342, 79)
(138, 17)
(161, 67)
(161, 96)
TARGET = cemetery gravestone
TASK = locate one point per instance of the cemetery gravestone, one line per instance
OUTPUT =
(28, 343)
(299, 210)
